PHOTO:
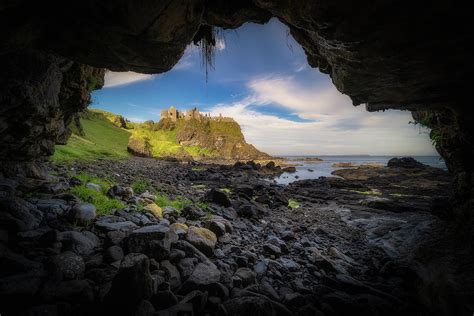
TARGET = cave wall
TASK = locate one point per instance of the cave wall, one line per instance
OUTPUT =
(39, 95)
(385, 54)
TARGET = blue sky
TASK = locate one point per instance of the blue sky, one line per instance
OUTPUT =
(261, 78)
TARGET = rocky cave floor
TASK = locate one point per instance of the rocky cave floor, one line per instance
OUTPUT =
(345, 247)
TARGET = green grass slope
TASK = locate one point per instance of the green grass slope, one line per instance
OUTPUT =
(102, 139)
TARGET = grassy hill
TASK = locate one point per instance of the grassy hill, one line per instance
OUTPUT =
(103, 134)
(101, 139)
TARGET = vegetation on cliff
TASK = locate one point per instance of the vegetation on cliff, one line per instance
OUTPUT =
(100, 134)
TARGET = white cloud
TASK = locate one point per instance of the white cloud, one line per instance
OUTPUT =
(335, 126)
(220, 44)
(115, 79)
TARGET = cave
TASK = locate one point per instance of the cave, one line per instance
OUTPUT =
(383, 55)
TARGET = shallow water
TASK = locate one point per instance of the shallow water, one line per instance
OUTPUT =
(316, 169)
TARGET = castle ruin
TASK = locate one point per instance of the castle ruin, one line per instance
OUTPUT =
(173, 114)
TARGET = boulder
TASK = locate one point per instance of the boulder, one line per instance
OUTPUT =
(171, 274)
(82, 243)
(217, 197)
(154, 241)
(253, 305)
(131, 285)
(246, 276)
(19, 215)
(94, 186)
(112, 223)
(192, 212)
(67, 266)
(203, 239)
(83, 213)
(154, 209)
(113, 254)
(405, 162)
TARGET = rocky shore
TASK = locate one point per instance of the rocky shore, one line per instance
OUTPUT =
(237, 244)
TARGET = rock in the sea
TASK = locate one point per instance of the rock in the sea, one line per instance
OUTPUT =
(154, 241)
(218, 197)
(83, 213)
(405, 162)
(154, 209)
(203, 239)
(289, 169)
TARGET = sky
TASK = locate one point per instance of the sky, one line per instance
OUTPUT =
(261, 79)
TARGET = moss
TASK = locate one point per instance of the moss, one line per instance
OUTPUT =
(226, 190)
(293, 204)
(103, 204)
(141, 185)
(199, 186)
(203, 205)
(163, 200)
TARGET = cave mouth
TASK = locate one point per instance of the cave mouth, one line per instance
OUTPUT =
(59, 258)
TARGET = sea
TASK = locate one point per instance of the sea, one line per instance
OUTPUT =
(314, 169)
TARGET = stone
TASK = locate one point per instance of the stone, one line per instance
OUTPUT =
(83, 213)
(82, 243)
(115, 237)
(253, 305)
(204, 274)
(246, 275)
(172, 274)
(19, 215)
(164, 299)
(216, 227)
(154, 209)
(247, 210)
(145, 308)
(202, 238)
(94, 186)
(151, 240)
(67, 266)
(192, 212)
(176, 255)
(218, 197)
(112, 223)
(113, 253)
(116, 191)
(131, 285)
(186, 266)
(271, 250)
(179, 228)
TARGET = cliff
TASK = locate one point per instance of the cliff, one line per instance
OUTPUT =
(205, 138)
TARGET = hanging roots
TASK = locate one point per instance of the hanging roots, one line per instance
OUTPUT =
(206, 38)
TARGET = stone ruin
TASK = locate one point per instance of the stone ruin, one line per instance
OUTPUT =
(173, 114)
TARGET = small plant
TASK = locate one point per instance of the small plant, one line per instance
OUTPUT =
(141, 185)
(199, 186)
(208, 216)
(203, 205)
(226, 190)
(103, 204)
(163, 200)
(198, 168)
(368, 192)
(293, 204)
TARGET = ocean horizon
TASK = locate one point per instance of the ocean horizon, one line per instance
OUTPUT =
(315, 169)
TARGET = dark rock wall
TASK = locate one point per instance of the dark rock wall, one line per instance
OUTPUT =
(39, 95)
